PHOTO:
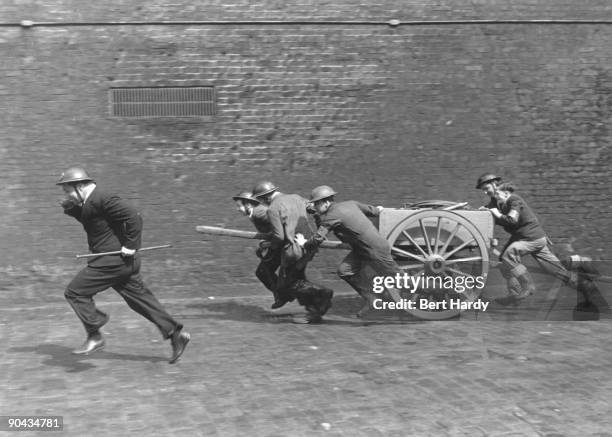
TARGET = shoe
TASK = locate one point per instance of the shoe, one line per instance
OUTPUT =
(527, 285)
(278, 303)
(591, 295)
(313, 314)
(325, 301)
(93, 343)
(307, 319)
(326, 306)
(179, 340)
(366, 309)
(524, 293)
(279, 300)
(514, 286)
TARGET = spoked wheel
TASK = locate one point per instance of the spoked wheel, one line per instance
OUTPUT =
(444, 250)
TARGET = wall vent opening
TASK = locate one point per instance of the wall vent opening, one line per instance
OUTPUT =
(152, 102)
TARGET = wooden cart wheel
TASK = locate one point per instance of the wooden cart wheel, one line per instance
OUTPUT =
(437, 245)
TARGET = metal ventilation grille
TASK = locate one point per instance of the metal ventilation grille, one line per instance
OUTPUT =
(163, 102)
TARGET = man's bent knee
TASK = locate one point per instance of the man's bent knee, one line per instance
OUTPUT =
(511, 256)
(70, 294)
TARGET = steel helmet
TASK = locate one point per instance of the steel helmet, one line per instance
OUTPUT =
(73, 175)
(485, 178)
(263, 188)
(245, 195)
(321, 192)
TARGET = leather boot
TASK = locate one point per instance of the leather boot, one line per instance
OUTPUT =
(178, 341)
(592, 295)
(279, 300)
(524, 278)
(514, 286)
(520, 286)
(324, 300)
(588, 300)
(94, 342)
(364, 292)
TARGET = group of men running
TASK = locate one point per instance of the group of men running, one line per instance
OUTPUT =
(284, 218)
(114, 227)
(292, 241)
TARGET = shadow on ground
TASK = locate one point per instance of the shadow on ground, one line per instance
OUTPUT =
(61, 356)
(343, 310)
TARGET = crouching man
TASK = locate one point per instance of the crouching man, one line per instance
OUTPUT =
(527, 237)
(349, 221)
(289, 222)
(270, 259)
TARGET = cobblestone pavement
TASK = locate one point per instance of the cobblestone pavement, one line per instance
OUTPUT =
(250, 372)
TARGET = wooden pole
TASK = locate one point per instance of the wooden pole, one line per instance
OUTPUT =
(213, 230)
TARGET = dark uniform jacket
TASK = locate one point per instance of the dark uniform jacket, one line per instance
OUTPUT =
(526, 227)
(110, 222)
(350, 223)
(260, 220)
(287, 216)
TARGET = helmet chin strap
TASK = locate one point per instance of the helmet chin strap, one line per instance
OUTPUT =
(78, 193)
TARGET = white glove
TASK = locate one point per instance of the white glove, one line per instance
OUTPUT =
(380, 208)
(127, 252)
(300, 240)
(495, 212)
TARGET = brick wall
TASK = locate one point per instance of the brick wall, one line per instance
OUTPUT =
(383, 114)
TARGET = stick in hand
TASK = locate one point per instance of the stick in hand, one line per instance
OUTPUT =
(118, 252)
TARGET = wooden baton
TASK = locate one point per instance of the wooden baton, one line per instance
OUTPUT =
(118, 252)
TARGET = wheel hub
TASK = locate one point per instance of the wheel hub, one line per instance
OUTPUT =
(435, 264)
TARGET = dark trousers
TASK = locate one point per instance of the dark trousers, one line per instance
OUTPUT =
(539, 250)
(266, 270)
(126, 280)
(292, 284)
(351, 269)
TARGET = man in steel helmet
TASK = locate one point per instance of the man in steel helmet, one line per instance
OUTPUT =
(253, 209)
(111, 224)
(270, 259)
(527, 237)
(487, 183)
(245, 202)
(349, 221)
(289, 223)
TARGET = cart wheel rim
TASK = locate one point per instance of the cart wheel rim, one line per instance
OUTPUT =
(439, 244)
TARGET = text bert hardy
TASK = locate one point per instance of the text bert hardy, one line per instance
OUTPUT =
(458, 284)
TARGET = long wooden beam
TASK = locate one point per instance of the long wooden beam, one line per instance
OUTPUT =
(214, 230)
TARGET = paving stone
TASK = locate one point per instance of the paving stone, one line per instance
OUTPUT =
(250, 371)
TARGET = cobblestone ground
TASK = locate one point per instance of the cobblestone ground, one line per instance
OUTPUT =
(250, 372)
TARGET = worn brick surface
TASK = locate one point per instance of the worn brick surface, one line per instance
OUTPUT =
(249, 371)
